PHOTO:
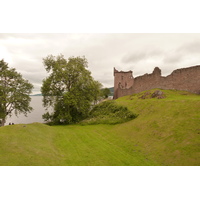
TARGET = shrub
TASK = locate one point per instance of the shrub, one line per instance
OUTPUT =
(109, 112)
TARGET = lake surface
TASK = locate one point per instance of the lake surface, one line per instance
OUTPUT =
(34, 116)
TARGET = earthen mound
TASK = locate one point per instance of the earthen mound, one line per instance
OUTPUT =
(156, 94)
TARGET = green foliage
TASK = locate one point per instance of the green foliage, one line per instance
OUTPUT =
(14, 92)
(69, 89)
(105, 93)
(108, 112)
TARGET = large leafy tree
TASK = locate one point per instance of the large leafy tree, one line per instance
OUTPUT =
(14, 93)
(69, 89)
(105, 93)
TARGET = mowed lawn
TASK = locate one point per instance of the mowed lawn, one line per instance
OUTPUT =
(39, 144)
(166, 132)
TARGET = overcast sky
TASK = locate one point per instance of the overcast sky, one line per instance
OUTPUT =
(129, 51)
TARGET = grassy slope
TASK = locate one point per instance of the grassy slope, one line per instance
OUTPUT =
(38, 144)
(166, 132)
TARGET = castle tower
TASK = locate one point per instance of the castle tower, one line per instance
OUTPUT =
(122, 81)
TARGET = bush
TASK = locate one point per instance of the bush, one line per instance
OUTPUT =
(108, 112)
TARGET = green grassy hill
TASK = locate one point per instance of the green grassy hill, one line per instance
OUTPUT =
(166, 132)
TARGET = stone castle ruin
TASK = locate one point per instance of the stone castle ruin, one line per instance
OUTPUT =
(187, 79)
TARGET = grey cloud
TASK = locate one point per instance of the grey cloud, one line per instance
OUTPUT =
(173, 58)
(140, 56)
(192, 47)
(182, 53)
(137, 52)
(36, 77)
(134, 57)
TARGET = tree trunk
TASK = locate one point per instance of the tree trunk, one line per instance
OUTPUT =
(2, 122)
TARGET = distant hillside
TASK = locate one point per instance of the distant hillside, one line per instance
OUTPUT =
(111, 90)
(36, 95)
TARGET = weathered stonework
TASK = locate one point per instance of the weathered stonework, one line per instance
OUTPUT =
(187, 79)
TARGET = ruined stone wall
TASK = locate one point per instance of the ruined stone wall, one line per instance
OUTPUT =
(123, 92)
(187, 79)
(122, 83)
(147, 81)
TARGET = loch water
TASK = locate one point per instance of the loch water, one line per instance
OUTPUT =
(34, 116)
